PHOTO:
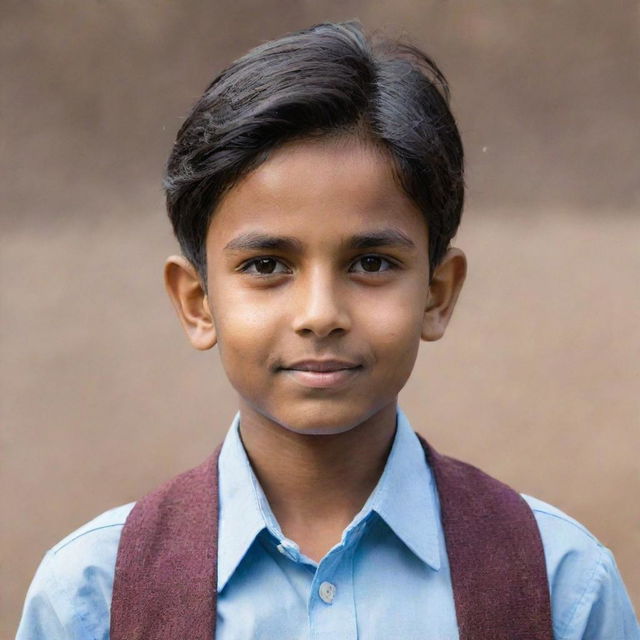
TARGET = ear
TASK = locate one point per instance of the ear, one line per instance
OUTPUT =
(444, 288)
(190, 301)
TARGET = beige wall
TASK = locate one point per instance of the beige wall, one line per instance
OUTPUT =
(537, 378)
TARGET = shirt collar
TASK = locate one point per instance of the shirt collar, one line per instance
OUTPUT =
(404, 498)
(241, 518)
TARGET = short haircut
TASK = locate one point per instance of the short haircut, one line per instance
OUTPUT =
(326, 80)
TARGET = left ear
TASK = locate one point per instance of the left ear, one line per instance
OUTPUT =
(444, 289)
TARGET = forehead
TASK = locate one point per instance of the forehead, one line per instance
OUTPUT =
(318, 189)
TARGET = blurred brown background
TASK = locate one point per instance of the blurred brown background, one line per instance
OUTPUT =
(537, 378)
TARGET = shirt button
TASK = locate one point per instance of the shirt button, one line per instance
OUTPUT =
(327, 592)
(288, 551)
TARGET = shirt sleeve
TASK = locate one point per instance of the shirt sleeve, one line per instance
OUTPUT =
(604, 612)
(40, 619)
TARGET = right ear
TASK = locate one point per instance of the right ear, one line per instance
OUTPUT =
(190, 302)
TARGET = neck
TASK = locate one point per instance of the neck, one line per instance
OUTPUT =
(310, 479)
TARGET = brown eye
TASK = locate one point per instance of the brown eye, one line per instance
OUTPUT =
(373, 264)
(263, 266)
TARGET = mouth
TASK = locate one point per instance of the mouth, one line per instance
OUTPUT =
(322, 374)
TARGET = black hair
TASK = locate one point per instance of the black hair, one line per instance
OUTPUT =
(326, 80)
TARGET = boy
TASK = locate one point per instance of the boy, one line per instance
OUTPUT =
(314, 190)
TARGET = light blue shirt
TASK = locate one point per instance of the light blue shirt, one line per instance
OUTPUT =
(387, 578)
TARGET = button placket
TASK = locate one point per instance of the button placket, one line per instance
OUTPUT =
(331, 605)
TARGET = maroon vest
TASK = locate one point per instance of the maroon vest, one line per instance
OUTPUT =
(166, 570)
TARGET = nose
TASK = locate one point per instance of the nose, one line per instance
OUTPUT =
(320, 305)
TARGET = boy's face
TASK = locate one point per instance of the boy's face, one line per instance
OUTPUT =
(318, 278)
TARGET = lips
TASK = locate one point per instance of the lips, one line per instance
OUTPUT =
(322, 365)
(322, 374)
(323, 379)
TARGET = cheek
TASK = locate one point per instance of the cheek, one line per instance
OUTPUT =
(245, 328)
(237, 310)
(394, 331)
(242, 354)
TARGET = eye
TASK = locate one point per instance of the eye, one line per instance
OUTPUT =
(373, 264)
(264, 266)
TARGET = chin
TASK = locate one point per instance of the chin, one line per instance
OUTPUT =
(322, 421)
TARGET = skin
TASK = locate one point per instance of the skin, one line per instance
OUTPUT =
(317, 452)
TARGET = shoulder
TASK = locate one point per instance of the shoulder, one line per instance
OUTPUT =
(91, 549)
(561, 534)
(102, 528)
(70, 593)
(588, 596)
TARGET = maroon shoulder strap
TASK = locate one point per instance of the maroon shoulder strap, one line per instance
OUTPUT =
(166, 568)
(495, 552)
(165, 581)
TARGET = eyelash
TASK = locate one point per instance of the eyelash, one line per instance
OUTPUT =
(245, 267)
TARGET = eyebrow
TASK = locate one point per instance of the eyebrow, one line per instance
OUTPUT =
(252, 240)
